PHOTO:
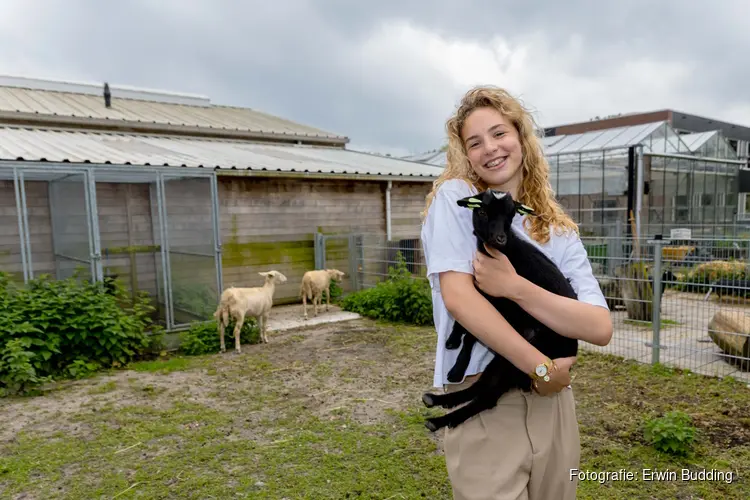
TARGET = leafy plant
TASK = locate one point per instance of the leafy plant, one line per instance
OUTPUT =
(336, 292)
(699, 278)
(17, 373)
(400, 298)
(195, 298)
(70, 327)
(203, 337)
(672, 433)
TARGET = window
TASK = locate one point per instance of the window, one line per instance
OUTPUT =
(610, 211)
(743, 208)
(680, 209)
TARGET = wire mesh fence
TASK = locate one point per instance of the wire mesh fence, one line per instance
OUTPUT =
(682, 303)
(153, 230)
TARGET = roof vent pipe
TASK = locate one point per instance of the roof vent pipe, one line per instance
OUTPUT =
(107, 96)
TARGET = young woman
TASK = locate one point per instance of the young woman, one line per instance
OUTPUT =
(527, 445)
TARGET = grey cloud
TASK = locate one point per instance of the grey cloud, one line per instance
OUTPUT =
(300, 59)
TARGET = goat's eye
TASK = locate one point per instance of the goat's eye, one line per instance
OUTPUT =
(481, 213)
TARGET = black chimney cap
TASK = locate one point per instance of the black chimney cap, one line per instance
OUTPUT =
(107, 95)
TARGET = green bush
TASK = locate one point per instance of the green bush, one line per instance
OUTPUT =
(195, 298)
(336, 293)
(400, 298)
(699, 278)
(203, 337)
(672, 433)
(68, 328)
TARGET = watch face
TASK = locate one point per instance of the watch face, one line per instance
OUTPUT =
(541, 370)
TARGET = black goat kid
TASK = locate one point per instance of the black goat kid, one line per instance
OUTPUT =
(493, 213)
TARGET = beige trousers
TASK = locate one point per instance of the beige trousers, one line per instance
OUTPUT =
(523, 449)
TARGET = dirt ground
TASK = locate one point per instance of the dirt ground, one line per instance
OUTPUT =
(297, 359)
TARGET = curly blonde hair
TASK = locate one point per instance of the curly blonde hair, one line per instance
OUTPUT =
(535, 191)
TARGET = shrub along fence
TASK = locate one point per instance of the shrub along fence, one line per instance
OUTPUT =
(70, 328)
(683, 303)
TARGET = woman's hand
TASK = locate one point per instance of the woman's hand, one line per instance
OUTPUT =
(495, 275)
(559, 378)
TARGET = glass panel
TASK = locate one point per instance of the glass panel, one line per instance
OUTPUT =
(635, 134)
(11, 261)
(603, 139)
(562, 144)
(192, 257)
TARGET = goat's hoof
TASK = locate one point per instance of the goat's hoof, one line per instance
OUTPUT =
(431, 425)
(452, 344)
(428, 400)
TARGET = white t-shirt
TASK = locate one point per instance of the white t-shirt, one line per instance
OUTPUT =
(450, 245)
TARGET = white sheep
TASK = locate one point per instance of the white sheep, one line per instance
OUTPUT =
(240, 302)
(314, 283)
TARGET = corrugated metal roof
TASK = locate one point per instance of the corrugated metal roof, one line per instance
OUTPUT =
(132, 149)
(31, 103)
(438, 158)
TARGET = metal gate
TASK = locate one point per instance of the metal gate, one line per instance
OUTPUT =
(344, 252)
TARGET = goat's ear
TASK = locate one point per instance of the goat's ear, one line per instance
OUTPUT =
(523, 209)
(469, 202)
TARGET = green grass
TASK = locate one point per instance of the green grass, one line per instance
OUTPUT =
(334, 412)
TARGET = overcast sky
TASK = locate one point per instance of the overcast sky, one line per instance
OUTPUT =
(387, 74)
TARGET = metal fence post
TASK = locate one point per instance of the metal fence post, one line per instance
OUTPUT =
(320, 251)
(656, 303)
(360, 261)
(353, 274)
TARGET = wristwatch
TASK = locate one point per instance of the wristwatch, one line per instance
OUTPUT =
(542, 371)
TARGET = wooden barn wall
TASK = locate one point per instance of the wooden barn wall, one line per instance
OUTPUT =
(269, 223)
(40, 229)
(407, 203)
(266, 223)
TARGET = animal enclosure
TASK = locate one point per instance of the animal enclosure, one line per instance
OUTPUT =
(155, 229)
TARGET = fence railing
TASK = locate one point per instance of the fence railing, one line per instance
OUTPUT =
(683, 303)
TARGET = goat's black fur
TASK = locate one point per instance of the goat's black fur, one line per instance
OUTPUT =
(493, 213)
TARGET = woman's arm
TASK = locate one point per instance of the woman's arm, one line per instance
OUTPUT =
(568, 317)
(478, 316)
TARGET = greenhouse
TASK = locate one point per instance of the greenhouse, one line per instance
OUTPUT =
(646, 179)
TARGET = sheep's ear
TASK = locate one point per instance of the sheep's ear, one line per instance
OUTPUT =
(469, 202)
(264, 274)
(523, 209)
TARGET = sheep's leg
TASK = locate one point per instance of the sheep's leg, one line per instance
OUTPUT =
(263, 319)
(304, 302)
(237, 328)
(328, 297)
(316, 301)
(221, 326)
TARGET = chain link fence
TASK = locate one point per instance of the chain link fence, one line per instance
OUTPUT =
(682, 303)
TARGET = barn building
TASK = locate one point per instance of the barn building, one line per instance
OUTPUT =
(179, 197)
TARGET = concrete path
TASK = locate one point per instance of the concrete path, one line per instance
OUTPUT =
(289, 317)
(684, 344)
